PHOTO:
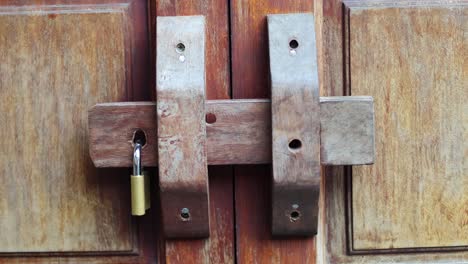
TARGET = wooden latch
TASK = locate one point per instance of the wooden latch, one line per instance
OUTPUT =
(297, 131)
(180, 108)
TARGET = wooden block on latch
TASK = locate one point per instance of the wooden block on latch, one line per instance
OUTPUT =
(180, 91)
(295, 113)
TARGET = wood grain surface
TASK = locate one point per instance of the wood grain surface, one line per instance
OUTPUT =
(421, 116)
(241, 133)
(377, 37)
(29, 33)
(217, 39)
(250, 79)
(57, 60)
(347, 130)
(180, 108)
(219, 248)
(295, 134)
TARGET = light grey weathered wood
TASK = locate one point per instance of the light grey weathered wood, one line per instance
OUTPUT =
(347, 129)
(295, 113)
(180, 90)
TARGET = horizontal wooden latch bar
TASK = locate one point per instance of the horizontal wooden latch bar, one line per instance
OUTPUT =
(238, 131)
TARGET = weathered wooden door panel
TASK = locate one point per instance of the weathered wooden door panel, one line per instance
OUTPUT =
(410, 56)
(57, 59)
(418, 185)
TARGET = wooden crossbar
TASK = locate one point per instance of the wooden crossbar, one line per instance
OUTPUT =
(241, 133)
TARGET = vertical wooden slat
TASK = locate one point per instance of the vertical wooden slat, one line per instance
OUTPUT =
(295, 137)
(250, 80)
(219, 248)
(217, 39)
(329, 22)
(180, 104)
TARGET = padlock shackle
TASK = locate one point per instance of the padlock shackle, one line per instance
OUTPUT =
(137, 159)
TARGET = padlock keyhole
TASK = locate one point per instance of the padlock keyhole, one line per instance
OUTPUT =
(139, 136)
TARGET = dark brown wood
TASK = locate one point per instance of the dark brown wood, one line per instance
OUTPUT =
(180, 108)
(219, 248)
(241, 133)
(250, 77)
(254, 238)
(58, 58)
(112, 126)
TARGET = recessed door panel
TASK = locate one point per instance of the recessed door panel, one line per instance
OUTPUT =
(411, 58)
(57, 61)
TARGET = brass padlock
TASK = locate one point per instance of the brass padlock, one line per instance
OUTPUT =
(140, 186)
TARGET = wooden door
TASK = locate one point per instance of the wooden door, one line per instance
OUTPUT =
(411, 205)
(58, 58)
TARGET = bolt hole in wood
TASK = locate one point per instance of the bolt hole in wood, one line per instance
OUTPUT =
(210, 118)
(293, 44)
(295, 144)
(185, 214)
(180, 47)
(295, 215)
(139, 136)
